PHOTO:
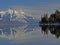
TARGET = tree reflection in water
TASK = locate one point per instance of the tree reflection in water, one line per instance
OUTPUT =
(55, 30)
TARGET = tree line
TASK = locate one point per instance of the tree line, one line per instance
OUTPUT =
(53, 18)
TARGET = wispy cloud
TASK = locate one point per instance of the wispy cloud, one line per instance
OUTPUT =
(39, 9)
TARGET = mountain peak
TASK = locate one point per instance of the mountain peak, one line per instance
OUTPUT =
(12, 11)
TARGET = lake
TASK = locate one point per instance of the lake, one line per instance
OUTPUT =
(29, 34)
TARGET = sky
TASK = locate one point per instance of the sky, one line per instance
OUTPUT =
(37, 6)
(34, 3)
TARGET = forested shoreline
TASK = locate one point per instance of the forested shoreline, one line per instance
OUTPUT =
(53, 18)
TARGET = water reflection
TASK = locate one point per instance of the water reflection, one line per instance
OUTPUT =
(54, 30)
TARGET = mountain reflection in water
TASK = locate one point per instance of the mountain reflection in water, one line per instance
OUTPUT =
(54, 30)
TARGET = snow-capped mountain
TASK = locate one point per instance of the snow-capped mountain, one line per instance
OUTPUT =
(12, 12)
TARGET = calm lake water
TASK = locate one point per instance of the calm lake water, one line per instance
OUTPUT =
(30, 35)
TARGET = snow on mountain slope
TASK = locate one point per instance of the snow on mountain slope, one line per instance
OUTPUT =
(12, 12)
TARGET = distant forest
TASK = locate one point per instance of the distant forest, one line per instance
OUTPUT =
(53, 18)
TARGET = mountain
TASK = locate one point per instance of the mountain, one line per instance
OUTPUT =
(11, 12)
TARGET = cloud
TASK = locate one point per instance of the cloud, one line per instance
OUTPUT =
(39, 9)
(29, 10)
